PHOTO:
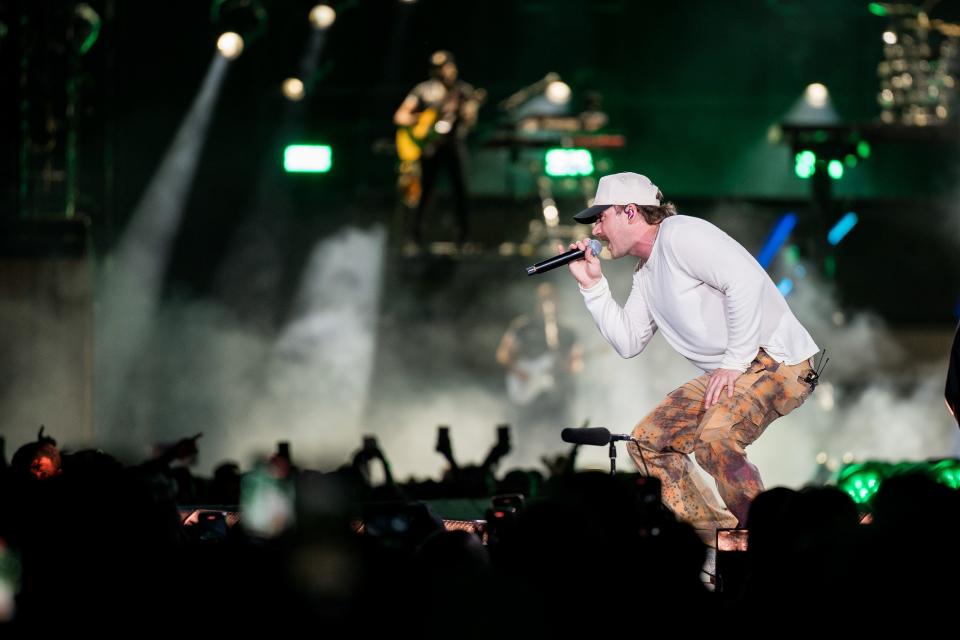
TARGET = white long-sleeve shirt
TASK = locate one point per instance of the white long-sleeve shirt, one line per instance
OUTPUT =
(709, 297)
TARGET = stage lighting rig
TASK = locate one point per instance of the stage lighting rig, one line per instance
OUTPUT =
(239, 23)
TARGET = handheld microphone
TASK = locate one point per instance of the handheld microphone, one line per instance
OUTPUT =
(564, 258)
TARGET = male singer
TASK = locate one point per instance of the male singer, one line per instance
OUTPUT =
(718, 308)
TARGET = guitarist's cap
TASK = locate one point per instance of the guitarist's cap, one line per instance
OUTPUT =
(620, 189)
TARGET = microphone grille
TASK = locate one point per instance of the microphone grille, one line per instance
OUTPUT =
(595, 246)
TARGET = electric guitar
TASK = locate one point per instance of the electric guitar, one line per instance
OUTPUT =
(429, 128)
(531, 377)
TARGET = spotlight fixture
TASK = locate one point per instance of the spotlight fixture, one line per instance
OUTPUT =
(230, 45)
(246, 20)
(558, 92)
(816, 95)
(322, 16)
(293, 89)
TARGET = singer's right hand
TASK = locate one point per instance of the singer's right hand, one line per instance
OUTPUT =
(586, 271)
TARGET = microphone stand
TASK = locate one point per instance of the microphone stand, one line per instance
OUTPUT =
(577, 438)
(613, 452)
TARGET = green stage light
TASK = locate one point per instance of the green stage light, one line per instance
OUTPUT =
(860, 481)
(805, 164)
(877, 9)
(850, 160)
(863, 149)
(948, 473)
(307, 158)
(807, 157)
(568, 162)
(835, 169)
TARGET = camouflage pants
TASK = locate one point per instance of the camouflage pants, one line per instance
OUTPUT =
(717, 437)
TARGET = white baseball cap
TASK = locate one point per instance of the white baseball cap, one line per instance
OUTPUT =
(621, 189)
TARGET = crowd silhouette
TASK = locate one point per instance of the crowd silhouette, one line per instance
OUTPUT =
(89, 543)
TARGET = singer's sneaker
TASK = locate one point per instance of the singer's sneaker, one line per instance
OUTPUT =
(708, 574)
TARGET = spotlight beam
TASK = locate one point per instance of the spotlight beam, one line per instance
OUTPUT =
(131, 282)
(778, 236)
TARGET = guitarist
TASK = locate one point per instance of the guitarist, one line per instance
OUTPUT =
(541, 358)
(450, 107)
